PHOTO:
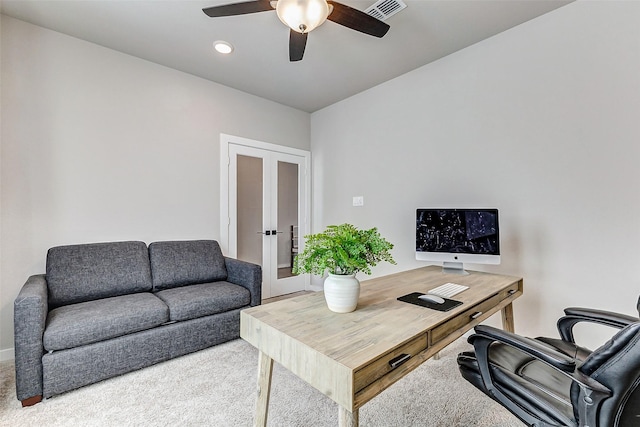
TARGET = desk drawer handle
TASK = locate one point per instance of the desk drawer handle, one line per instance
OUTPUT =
(476, 315)
(512, 291)
(397, 361)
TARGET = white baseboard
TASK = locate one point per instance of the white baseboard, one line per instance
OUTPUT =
(7, 354)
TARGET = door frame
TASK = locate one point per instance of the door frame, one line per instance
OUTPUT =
(225, 219)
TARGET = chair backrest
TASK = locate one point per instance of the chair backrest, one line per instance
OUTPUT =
(616, 365)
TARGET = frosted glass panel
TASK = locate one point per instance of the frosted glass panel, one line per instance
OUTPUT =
(287, 216)
(249, 204)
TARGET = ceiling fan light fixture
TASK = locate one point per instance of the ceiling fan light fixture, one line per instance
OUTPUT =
(302, 15)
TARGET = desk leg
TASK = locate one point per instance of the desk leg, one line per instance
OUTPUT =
(507, 318)
(346, 418)
(265, 369)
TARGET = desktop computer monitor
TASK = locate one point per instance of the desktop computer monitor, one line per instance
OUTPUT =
(457, 236)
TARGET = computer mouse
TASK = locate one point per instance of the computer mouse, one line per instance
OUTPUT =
(432, 298)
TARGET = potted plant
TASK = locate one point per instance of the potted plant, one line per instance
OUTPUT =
(342, 251)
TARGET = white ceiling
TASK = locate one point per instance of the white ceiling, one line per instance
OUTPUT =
(338, 62)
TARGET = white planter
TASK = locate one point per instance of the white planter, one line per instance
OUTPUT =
(341, 292)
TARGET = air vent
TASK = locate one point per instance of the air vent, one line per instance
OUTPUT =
(383, 9)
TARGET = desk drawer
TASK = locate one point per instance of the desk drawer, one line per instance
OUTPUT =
(383, 365)
(467, 316)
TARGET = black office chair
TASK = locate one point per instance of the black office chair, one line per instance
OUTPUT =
(555, 382)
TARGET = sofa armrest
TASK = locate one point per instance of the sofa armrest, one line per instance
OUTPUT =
(29, 317)
(247, 275)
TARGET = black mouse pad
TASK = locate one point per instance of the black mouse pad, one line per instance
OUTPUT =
(412, 298)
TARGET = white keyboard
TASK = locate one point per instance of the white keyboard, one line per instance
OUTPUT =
(448, 290)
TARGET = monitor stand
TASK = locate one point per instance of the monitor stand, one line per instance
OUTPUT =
(453, 268)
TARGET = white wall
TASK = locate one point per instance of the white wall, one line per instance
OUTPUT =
(101, 146)
(3, 353)
(541, 121)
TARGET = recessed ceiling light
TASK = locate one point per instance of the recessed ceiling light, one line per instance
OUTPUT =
(223, 47)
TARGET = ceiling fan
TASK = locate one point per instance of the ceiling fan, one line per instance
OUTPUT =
(302, 16)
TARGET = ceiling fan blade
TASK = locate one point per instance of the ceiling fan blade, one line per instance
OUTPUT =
(297, 43)
(357, 20)
(241, 8)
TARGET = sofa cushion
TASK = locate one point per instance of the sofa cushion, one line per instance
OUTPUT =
(79, 273)
(190, 302)
(92, 321)
(180, 263)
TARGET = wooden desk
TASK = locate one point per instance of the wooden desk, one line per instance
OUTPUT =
(346, 356)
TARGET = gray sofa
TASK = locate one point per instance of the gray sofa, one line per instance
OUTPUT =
(104, 309)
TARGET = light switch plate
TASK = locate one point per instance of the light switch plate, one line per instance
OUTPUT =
(358, 201)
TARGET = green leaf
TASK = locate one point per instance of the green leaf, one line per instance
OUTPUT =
(342, 249)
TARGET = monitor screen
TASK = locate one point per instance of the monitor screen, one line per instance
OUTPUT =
(458, 235)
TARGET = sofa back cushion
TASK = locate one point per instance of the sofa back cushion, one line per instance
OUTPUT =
(79, 273)
(180, 263)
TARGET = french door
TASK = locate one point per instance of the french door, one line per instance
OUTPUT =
(265, 188)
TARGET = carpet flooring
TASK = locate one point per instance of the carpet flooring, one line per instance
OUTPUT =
(216, 387)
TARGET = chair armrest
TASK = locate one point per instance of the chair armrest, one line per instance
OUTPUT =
(30, 310)
(591, 391)
(574, 315)
(247, 275)
(529, 346)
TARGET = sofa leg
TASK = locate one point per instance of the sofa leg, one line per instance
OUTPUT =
(31, 401)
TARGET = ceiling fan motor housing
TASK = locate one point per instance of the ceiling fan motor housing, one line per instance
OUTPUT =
(302, 15)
